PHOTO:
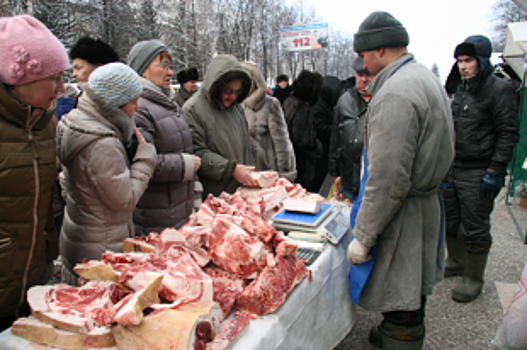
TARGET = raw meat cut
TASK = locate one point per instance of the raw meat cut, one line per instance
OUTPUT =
(257, 227)
(198, 236)
(189, 327)
(273, 285)
(163, 243)
(236, 251)
(33, 330)
(129, 310)
(264, 179)
(230, 331)
(74, 309)
(183, 277)
(96, 271)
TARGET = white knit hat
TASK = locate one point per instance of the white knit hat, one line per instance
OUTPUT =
(116, 84)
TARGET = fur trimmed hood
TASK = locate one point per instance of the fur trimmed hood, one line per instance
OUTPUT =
(258, 88)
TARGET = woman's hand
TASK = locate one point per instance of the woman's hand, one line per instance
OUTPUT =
(242, 173)
(197, 162)
(140, 138)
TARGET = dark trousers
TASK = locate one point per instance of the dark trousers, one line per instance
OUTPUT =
(407, 318)
(467, 214)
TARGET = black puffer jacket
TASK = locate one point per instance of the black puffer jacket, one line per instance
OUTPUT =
(347, 139)
(486, 122)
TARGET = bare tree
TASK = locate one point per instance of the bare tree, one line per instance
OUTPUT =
(149, 27)
(504, 12)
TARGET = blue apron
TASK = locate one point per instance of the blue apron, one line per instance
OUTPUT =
(360, 273)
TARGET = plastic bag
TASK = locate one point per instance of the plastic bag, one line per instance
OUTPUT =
(512, 333)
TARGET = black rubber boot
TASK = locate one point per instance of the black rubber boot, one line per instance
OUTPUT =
(396, 337)
(455, 263)
(473, 276)
(375, 337)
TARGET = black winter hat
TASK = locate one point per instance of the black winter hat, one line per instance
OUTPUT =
(94, 51)
(307, 86)
(187, 74)
(380, 29)
(282, 77)
(477, 46)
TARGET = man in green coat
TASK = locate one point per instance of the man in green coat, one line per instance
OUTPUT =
(409, 149)
(220, 133)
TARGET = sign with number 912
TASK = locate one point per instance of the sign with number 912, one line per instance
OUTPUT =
(304, 37)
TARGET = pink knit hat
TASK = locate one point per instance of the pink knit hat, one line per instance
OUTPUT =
(28, 51)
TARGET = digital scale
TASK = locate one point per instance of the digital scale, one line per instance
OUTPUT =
(330, 223)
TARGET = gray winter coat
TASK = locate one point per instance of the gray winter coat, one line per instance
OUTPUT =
(99, 185)
(409, 149)
(168, 200)
(270, 143)
(220, 135)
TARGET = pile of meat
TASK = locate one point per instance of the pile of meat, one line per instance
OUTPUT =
(177, 289)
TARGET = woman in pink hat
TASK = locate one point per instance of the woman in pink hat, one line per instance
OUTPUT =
(33, 61)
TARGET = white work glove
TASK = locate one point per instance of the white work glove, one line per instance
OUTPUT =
(358, 253)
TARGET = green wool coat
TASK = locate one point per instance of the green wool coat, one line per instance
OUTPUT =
(220, 136)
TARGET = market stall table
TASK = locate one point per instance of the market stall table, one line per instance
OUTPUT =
(317, 314)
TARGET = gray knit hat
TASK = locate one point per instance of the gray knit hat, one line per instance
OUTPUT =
(116, 84)
(358, 66)
(143, 53)
(380, 29)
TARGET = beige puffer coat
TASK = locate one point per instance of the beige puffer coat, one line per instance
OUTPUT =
(99, 185)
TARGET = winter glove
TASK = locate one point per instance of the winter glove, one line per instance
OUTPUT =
(131, 147)
(490, 184)
(358, 253)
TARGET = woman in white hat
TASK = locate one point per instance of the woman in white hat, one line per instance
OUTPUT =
(103, 176)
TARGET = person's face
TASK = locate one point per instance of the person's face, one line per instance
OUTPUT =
(362, 80)
(372, 60)
(131, 107)
(40, 93)
(160, 70)
(191, 86)
(230, 92)
(468, 66)
(82, 70)
(283, 84)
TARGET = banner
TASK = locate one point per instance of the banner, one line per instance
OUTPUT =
(304, 37)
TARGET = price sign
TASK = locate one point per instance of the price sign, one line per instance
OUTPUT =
(304, 37)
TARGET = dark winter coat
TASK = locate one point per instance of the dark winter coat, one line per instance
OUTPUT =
(302, 130)
(486, 122)
(270, 143)
(168, 200)
(323, 112)
(100, 186)
(347, 138)
(282, 94)
(27, 175)
(182, 96)
(220, 135)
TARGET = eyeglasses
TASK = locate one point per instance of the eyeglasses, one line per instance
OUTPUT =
(166, 66)
(229, 92)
